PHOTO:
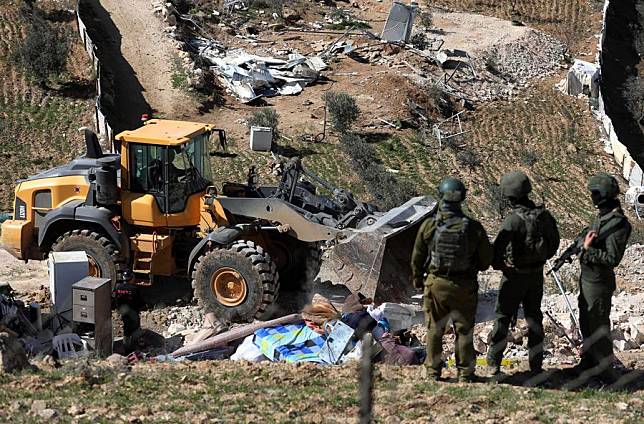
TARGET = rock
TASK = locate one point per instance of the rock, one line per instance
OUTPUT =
(479, 345)
(622, 345)
(12, 354)
(48, 413)
(171, 20)
(175, 328)
(38, 405)
(75, 410)
(116, 359)
(636, 334)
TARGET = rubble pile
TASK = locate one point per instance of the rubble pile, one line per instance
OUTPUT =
(249, 76)
(12, 354)
(627, 319)
(532, 56)
(178, 320)
(503, 70)
(632, 266)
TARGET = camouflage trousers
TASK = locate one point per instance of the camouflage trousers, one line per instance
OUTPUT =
(444, 300)
(594, 321)
(519, 289)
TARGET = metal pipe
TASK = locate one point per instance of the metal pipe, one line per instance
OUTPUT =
(558, 324)
(324, 183)
(563, 292)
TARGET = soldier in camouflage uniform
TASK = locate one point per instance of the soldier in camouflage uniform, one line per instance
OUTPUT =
(528, 238)
(450, 249)
(604, 243)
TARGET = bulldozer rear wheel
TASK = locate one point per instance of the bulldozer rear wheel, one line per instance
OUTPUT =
(237, 283)
(105, 260)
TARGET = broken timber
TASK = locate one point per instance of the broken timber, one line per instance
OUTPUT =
(234, 334)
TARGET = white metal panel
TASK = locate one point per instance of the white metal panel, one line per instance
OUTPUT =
(65, 269)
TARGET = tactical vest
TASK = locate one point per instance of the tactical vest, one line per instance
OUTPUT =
(449, 253)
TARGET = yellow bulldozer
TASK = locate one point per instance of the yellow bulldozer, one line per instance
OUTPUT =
(152, 211)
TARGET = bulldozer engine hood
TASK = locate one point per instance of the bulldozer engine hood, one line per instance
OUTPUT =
(80, 166)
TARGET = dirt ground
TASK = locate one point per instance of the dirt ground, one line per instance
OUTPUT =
(151, 54)
(23, 277)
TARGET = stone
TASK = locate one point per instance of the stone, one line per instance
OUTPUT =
(171, 20)
(75, 410)
(636, 333)
(48, 413)
(622, 345)
(116, 359)
(38, 405)
(12, 354)
(175, 328)
(479, 345)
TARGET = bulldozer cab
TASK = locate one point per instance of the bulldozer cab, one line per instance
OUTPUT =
(165, 169)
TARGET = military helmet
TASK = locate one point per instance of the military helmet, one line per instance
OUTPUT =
(452, 190)
(515, 185)
(605, 184)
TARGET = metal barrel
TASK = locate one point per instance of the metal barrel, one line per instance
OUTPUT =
(376, 260)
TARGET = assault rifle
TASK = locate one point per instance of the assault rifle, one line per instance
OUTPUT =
(566, 256)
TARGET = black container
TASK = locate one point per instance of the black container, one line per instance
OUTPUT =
(106, 181)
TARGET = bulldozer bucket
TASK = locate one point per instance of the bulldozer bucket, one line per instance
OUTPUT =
(376, 260)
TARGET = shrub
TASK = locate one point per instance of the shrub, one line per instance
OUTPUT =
(343, 110)
(361, 153)
(266, 117)
(387, 191)
(528, 157)
(468, 158)
(426, 18)
(43, 52)
(419, 40)
(497, 201)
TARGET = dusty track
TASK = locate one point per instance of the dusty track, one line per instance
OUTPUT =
(150, 54)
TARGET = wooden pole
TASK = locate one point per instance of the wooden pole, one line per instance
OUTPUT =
(366, 380)
(234, 334)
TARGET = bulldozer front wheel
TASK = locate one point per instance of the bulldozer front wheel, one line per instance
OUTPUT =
(104, 258)
(298, 262)
(236, 283)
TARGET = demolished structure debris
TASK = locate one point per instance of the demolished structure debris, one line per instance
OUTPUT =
(399, 24)
(250, 77)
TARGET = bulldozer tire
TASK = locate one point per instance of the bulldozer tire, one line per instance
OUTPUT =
(301, 262)
(237, 283)
(105, 260)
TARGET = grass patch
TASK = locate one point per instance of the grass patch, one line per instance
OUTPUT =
(179, 77)
(228, 391)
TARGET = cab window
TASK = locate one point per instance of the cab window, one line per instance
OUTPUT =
(147, 168)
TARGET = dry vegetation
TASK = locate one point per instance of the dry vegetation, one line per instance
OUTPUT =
(226, 391)
(37, 127)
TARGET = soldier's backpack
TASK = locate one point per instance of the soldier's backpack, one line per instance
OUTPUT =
(536, 248)
(449, 254)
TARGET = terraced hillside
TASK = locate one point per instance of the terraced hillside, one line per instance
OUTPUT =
(37, 127)
(569, 20)
(551, 136)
